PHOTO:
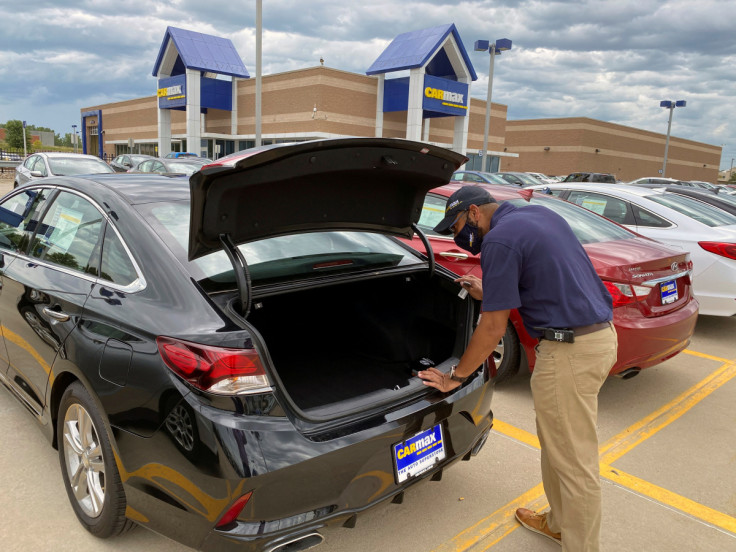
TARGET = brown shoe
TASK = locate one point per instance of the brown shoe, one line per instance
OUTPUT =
(537, 523)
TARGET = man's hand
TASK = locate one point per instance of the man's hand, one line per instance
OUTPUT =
(473, 284)
(439, 380)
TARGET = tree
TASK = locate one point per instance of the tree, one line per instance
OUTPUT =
(14, 134)
(733, 177)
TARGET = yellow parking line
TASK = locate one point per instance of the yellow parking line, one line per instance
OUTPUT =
(501, 523)
(695, 509)
(709, 357)
(496, 526)
(622, 443)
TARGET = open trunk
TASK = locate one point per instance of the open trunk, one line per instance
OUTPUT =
(347, 347)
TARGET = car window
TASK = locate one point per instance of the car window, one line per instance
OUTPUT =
(143, 167)
(116, 266)
(433, 211)
(38, 164)
(587, 227)
(19, 218)
(610, 207)
(649, 219)
(183, 168)
(702, 212)
(158, 167)
(66, 166)
(28, 163)
(470, 177)
(69, 233)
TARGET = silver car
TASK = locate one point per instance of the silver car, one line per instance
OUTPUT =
(40, 165)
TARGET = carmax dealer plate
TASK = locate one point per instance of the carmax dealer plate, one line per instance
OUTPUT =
(418, 454)
(669, 292)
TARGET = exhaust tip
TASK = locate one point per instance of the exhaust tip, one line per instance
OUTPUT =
(303, 542)
(629, 373)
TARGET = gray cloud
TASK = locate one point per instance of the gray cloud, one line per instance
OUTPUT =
(607, 60)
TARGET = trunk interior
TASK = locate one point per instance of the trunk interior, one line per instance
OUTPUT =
(354, 345)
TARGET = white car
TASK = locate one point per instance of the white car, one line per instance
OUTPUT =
(543, 178)
(41, 165)
(708, 233)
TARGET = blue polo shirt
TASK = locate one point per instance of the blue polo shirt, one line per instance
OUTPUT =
(533, 262)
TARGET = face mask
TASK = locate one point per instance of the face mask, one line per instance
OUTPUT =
(469, 238)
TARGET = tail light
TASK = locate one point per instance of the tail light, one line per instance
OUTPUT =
(214, 369)
(234, 511)
(626, 294)
(727, 250)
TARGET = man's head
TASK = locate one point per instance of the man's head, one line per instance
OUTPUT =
(459, 204)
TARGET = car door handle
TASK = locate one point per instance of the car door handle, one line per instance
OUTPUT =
(61, 316)
(454, 256)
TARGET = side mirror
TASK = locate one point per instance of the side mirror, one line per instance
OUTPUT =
(36, 174)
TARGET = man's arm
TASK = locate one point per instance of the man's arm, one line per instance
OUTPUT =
(485, 339)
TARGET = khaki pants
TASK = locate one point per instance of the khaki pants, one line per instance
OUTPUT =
(565, 385)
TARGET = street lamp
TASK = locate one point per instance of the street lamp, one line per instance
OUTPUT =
(494, 49)
(74, 137)
(671, 105)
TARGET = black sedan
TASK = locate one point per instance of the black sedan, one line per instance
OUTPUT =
(230, 360)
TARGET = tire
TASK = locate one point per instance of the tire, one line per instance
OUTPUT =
(507, 355)
(88, 466)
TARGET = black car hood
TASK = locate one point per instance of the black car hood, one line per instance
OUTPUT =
(368, 184)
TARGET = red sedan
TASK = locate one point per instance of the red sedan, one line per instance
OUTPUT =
(654, 307)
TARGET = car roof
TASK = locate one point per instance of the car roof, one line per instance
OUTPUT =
(134, 188)
(54, 154)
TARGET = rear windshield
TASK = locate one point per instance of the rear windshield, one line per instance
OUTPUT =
(67, 166)
(587, 226)
(283, 258)
(702, 212)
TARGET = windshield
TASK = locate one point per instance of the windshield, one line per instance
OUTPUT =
(183, 168)
(66, 166)
(282, 258)
(587, 226)
(702, 212)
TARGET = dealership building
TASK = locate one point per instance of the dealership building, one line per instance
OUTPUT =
(418, 88)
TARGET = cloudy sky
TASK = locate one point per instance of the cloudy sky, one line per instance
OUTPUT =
(611, 60)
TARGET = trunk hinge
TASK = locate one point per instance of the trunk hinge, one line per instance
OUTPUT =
(242, 275)
(427, 246)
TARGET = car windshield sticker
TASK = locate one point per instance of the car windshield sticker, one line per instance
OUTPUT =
(595, 205)
(65, 225)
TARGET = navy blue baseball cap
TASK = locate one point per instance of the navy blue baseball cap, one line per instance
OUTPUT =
(460, 201)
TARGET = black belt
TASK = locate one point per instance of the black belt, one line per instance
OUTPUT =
(568, 334)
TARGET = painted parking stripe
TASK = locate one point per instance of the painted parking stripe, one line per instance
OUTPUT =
(695, 509)
(501, 523)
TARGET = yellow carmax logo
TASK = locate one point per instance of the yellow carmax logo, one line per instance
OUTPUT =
(438, 94)
(170, 91)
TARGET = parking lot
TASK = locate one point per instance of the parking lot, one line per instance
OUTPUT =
(668, 467)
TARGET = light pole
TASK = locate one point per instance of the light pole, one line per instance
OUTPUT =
(494, 49)
(671, 105)
(74, 137)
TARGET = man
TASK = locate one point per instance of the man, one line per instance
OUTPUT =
(531, 260)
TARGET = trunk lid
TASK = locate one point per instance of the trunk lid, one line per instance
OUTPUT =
(368, 184)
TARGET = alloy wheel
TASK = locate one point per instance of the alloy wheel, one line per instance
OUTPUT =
(84, 461)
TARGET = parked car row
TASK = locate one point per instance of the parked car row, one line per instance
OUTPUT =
(654, 309)
(682, 220)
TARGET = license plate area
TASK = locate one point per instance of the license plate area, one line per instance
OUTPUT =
(668, 292)
(419, 453)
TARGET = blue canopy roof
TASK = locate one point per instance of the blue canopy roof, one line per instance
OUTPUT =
(413, 49)
(204, 52)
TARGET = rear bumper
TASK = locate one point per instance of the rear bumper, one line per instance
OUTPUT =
(299, 484)
(645, 342)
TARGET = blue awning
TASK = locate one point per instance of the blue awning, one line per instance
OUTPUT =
(413, 49)
(203, 52)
